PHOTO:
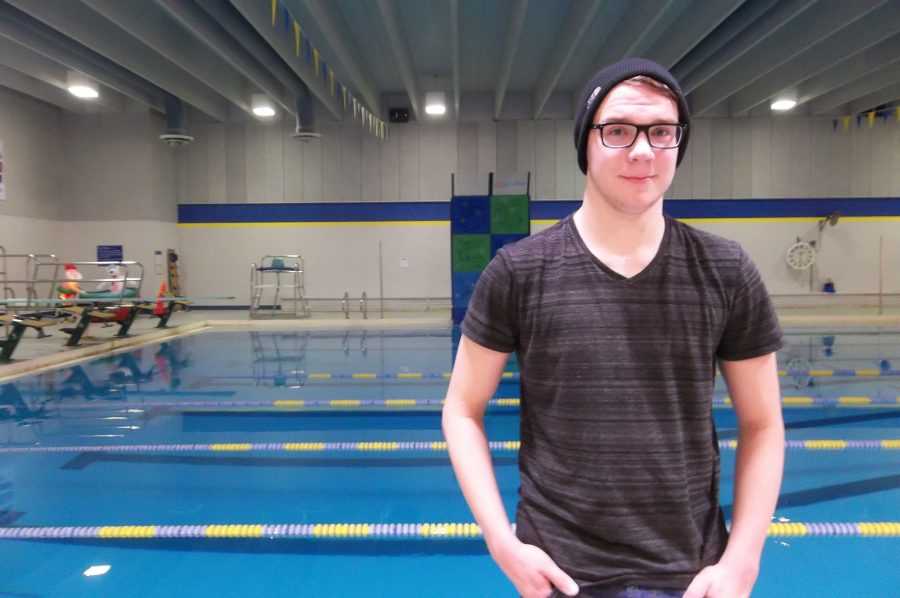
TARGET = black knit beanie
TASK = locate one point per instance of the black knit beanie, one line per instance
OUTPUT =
(602, 84)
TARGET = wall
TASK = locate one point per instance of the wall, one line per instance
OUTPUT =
(726, 159)
(78, 180)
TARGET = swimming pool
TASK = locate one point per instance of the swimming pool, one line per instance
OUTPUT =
(311, 464)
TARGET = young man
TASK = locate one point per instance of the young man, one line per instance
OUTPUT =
(619, 315)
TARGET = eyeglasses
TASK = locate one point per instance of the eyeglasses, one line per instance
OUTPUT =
(621, 135)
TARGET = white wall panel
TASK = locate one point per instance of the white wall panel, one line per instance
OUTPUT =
(525, 151)
(565, 163)
(839, 163)
(448, 151)
(274, 152)
(293, 173)
(409, 162)
(467, 148)
(741, 158)
(800, 157)
(781, 159)
(701, 159)
(543, 177)
(820, 140)
(880, 165)
(351, 163)
(197, 155)
(255, 158)
(761, 157)
(235, 165)
(860, 161)
(215, 163)
(506, 146)
(328, 187)
(721, 159)
(371, 167)
(390, 167)
(487, 146)
(429, 161)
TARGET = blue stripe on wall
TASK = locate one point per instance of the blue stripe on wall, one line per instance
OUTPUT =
(313, 212)
(540, 210)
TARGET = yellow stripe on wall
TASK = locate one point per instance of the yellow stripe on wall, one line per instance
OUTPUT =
(295, 224)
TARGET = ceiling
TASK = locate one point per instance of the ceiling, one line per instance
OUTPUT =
(495, 59)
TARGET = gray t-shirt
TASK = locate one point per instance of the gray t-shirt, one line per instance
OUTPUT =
(619, 461)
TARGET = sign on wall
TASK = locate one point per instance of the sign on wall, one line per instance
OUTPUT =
(2, 181)
(109, 253)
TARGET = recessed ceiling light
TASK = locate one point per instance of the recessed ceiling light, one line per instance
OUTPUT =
(81, 86)
(262, 105)
(435, 103)
(783, 104)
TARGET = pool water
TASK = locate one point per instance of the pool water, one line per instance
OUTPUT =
(309, 428)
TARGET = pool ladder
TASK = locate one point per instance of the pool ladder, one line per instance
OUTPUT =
(363, 305)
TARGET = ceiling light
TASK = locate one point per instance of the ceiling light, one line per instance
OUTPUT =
(81, 86)
(261, 105)
(783, 104)
(435, 103)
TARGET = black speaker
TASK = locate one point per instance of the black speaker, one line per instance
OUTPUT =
(398, 115)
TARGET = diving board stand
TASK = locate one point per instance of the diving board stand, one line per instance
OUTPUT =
(18, 325)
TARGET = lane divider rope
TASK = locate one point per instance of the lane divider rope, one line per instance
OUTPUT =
(380, 531)
(500, 446)
(718, 402)
(507, 376)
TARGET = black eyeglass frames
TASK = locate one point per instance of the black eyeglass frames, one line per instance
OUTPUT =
(622, 135)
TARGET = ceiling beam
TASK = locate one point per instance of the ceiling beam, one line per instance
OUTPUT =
(514, 25)
(390, 16)
(46, 70)
(221, 40)
(91, 30)
(853, 68)
(577, 25)
(35, 35)
(879, 79)
(454, 53)
(335, 28)
(752, 24)
(787, 41)
(875, 27)
(885, 95)
(695, 22)
(637, 26)
(156, 29)
(260, 19)
(35, 88)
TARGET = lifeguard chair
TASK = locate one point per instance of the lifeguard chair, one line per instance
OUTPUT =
(282, 275)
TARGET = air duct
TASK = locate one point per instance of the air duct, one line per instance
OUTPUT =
(304, 130)
(176, 123)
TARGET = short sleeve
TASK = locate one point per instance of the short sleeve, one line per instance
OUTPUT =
(752, 329)
(490, 319)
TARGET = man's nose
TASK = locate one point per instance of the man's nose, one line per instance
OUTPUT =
(641, 147)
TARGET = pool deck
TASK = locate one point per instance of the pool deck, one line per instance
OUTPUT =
(35, 354)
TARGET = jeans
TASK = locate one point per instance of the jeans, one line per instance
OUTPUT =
(624, 592)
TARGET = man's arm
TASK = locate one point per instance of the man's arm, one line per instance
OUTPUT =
(753, 385)
(476, 373)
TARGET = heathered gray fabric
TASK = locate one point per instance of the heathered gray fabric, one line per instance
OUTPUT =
(619, 458)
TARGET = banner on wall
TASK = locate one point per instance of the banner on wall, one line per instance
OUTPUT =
(2, 182)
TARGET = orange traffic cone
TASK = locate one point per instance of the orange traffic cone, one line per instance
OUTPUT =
(160, 309)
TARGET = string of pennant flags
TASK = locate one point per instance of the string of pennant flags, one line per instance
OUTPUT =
(305, 50)
(870, 117)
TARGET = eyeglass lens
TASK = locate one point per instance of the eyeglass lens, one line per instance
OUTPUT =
(618, 135)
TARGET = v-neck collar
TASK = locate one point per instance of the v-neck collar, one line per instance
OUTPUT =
(612, 273)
